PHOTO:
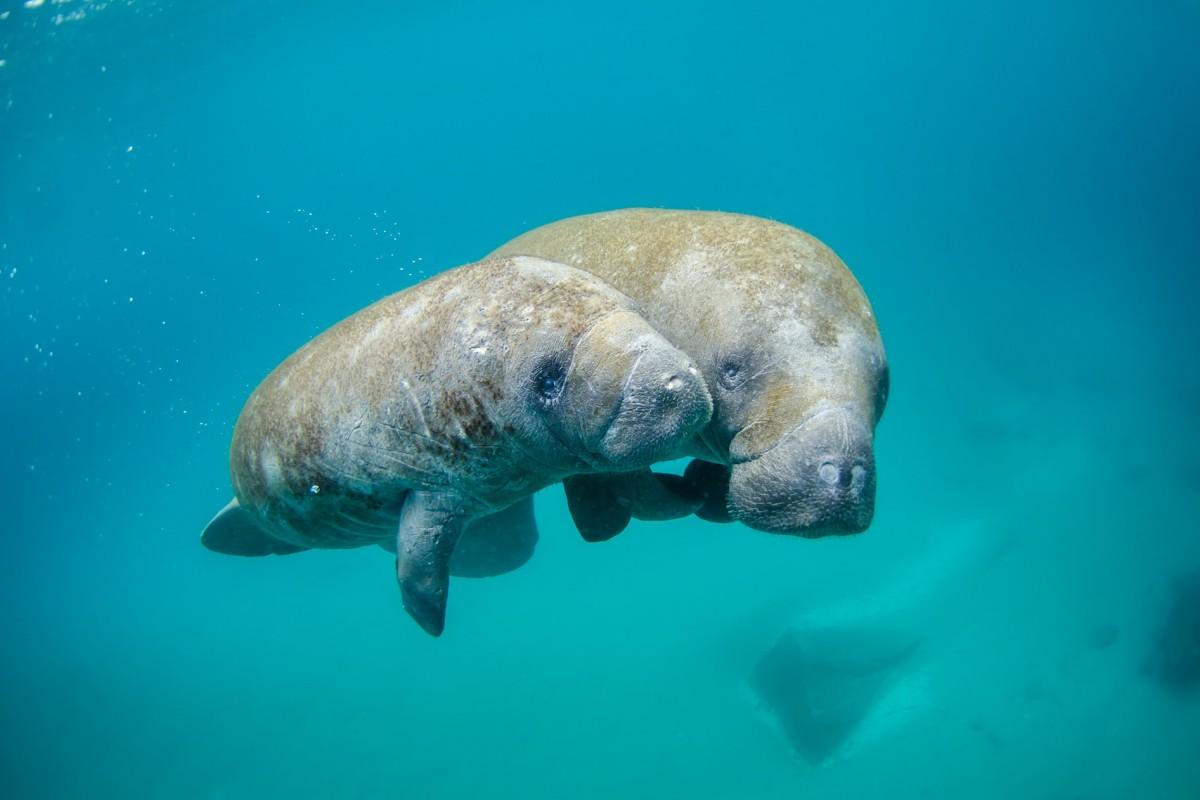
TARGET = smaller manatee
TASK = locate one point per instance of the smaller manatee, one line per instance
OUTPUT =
(446, 406)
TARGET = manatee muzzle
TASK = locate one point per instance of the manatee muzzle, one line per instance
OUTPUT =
(664, 403)
(818, 480)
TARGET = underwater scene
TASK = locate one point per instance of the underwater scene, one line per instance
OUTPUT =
(679, 503)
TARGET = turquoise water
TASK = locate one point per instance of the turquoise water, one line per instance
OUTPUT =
(188, 191)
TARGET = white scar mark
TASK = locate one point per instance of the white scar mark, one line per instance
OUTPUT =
(272, 470)
(416, 405)
(629, 375)
(389, 455)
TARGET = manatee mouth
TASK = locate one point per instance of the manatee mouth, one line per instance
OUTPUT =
(818, 480)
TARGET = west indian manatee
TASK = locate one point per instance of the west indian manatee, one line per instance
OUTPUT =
(448, 402)
(819, 683)
(787, 344)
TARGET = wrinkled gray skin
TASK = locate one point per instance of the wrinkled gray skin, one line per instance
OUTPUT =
(786, 341)
(448, 402)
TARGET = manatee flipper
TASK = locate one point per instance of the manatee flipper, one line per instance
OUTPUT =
(234, 532)
(497, 543)
(711, 483)
(492, 545)
(600, 505)
(659, 496)
(430, 526)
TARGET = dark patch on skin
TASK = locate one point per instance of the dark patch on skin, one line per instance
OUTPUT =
(472, 417)
(490, 389)
(823, 332)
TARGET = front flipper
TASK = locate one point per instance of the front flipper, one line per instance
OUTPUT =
(600, 505)
(494, 544)
(234, 532)
(710, 482)
(430, 526)
(659, 496)
(603, 504)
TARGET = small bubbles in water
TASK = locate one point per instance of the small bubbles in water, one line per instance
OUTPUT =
(129, 149)
(314, 489)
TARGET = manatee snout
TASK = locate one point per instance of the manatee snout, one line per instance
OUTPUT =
(630, 397)
(664, 403)
(819, 480)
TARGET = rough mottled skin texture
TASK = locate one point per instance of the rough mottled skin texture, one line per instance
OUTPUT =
(784, 336)
(436, 389)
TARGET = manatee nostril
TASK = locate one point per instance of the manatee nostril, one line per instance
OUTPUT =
(674, 383)
(829, 473)
(858, 475)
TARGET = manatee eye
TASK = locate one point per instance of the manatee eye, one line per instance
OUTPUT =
(548, 381)
(731, 371)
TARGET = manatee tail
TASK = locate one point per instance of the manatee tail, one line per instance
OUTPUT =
(234, 532)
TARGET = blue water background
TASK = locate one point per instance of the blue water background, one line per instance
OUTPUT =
(189, 191)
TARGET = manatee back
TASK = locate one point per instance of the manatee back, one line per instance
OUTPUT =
(660, 256)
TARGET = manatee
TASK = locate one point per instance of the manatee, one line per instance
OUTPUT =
(449, 404)
(819, 683)
(786, 341)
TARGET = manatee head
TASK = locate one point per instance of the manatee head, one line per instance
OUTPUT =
(623, 397)
(817, 480)
(594, 380)
(800, 421)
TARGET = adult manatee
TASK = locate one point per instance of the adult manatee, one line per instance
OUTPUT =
(446, 403)
(788, 346)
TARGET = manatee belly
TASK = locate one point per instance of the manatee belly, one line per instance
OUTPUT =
(330, 517)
